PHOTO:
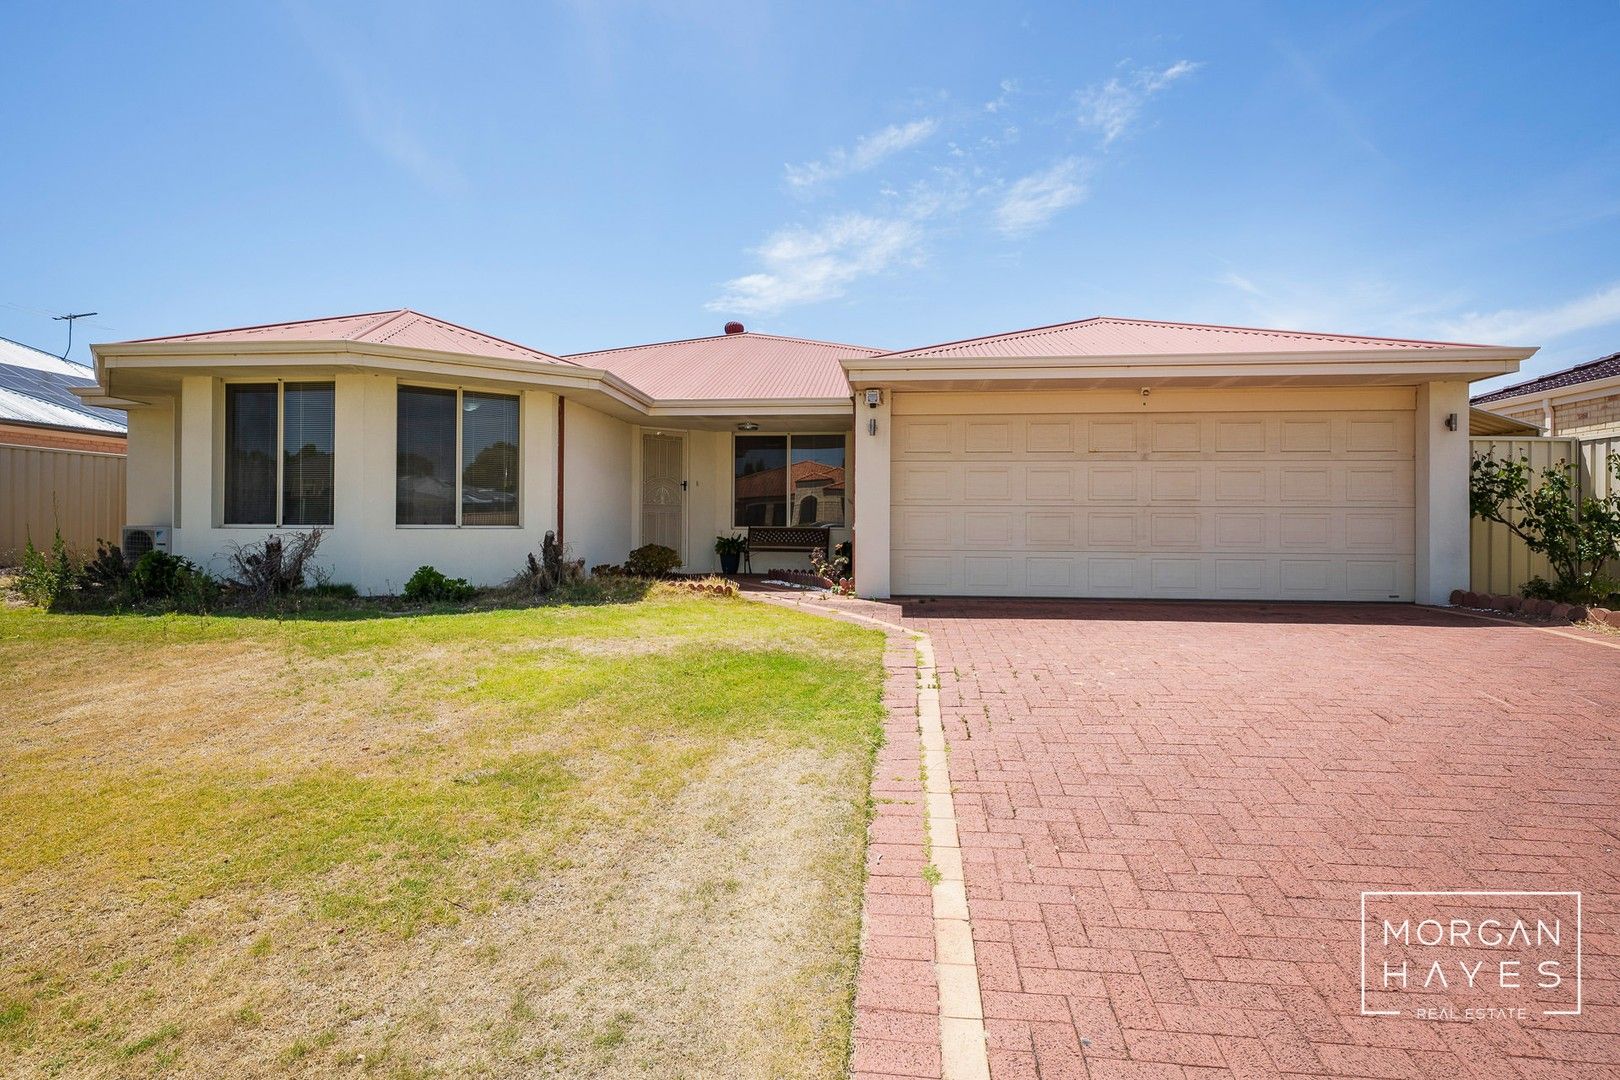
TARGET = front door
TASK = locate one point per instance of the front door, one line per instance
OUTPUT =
(663, 491)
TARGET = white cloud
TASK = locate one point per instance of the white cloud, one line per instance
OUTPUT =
(868, 151)
(804, 265)
(1009, 87)
(1528, 326)
(1113, 107)
(1033, 201)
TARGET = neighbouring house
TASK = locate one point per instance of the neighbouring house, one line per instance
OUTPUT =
(1104, 457)
(38, 406)
(61, 460)
(1580, 402)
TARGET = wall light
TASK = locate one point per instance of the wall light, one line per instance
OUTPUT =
(871, 426)
(747, 425)
(1451, 421)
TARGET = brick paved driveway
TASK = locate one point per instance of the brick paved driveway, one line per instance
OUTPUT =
(1168, 813)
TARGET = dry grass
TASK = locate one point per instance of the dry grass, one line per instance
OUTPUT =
(622, 840)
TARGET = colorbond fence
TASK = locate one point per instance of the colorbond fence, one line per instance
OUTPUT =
(1500, 561)
(41, 489)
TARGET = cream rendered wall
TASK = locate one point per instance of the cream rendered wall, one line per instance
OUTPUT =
(364, 546)
(149, 494)
(1443, 536)
(596, 485)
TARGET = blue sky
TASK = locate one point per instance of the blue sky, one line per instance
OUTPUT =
(584, 175)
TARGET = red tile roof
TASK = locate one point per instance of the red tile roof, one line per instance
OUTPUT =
(1604, 367)
(741, 367)
(401, 327)
(1105, 336)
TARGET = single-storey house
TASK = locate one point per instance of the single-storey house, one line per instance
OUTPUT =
(1579, 402)
(1105, 457)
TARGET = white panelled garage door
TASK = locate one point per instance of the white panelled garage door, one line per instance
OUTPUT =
(1297, 505)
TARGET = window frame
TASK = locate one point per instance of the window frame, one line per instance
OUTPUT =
(459, 390)
(223, 450)
(787, 477)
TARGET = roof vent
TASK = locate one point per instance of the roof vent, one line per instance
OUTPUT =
(734, 327)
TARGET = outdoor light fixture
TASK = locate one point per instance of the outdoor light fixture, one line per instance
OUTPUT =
(874, 398)
(871, 426)
(1451, 421)
(747, 425)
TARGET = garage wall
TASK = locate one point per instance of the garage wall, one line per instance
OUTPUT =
(1303, 494)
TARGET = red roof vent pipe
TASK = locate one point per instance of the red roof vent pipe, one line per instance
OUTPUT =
(734, 327)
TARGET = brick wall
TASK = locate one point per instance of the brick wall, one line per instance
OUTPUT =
(1590, 418)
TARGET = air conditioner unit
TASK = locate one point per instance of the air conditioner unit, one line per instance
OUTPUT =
(139, 539)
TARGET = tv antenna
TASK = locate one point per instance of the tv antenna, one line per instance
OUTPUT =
(69, 320)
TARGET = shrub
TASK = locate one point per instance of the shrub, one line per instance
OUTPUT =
(108, 573)
(651, 560)
(45, 580)
(1578, 536)
(552, 570)
(274, 566)
(428, 585)
(607, 570)
(163, 577)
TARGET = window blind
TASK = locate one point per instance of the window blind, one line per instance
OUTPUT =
(250, 454)
(306, 471)
(426, 467)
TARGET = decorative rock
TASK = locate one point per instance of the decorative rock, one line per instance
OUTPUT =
(1560, 612)
(1537, 608)
(1457, 597)
(1512, 603)
(1577, 613)
(1598, 614)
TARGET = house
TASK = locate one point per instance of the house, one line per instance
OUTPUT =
(1104, 457)
(1579, 402)
(38, 407)
(61, 460)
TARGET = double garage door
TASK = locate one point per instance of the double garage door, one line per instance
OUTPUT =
(1297, 505)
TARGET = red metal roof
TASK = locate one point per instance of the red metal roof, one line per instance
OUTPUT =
(1604, 367)
(401, 327)
(1105, 336)
(737, 367)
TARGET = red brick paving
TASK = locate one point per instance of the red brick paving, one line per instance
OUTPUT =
(1168, 813)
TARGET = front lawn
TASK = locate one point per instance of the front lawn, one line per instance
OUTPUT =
(615, 840)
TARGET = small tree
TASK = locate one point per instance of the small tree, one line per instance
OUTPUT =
(1579, 537)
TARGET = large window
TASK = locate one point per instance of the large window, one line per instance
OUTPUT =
(458, 458)
(278, 453)
(788, 480)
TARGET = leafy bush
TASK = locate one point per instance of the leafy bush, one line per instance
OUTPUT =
(1579, 536)
(651, 560)
(428, 585)
(46, 579)
(607, 570)
(159, 576)
(106, 575)
(274, 566)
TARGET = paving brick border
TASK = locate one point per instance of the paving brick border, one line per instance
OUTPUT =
(918, 1012)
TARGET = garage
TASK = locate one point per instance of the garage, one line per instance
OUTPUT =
(1130, 458)
(1302, 494)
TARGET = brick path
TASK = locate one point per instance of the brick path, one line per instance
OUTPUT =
(1167, 814)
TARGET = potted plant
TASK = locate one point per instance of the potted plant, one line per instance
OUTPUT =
(731, 549)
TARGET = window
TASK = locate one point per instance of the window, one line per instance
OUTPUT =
(788, 479)
(278, 453)
(437, 484)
